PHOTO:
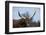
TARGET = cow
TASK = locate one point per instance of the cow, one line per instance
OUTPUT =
(25, 20)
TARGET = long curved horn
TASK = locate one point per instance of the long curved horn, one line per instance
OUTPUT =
(33, 14)
(19, 14)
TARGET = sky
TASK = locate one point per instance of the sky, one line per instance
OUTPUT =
(22, 10)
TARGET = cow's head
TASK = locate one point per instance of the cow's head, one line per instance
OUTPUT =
(26, 17)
